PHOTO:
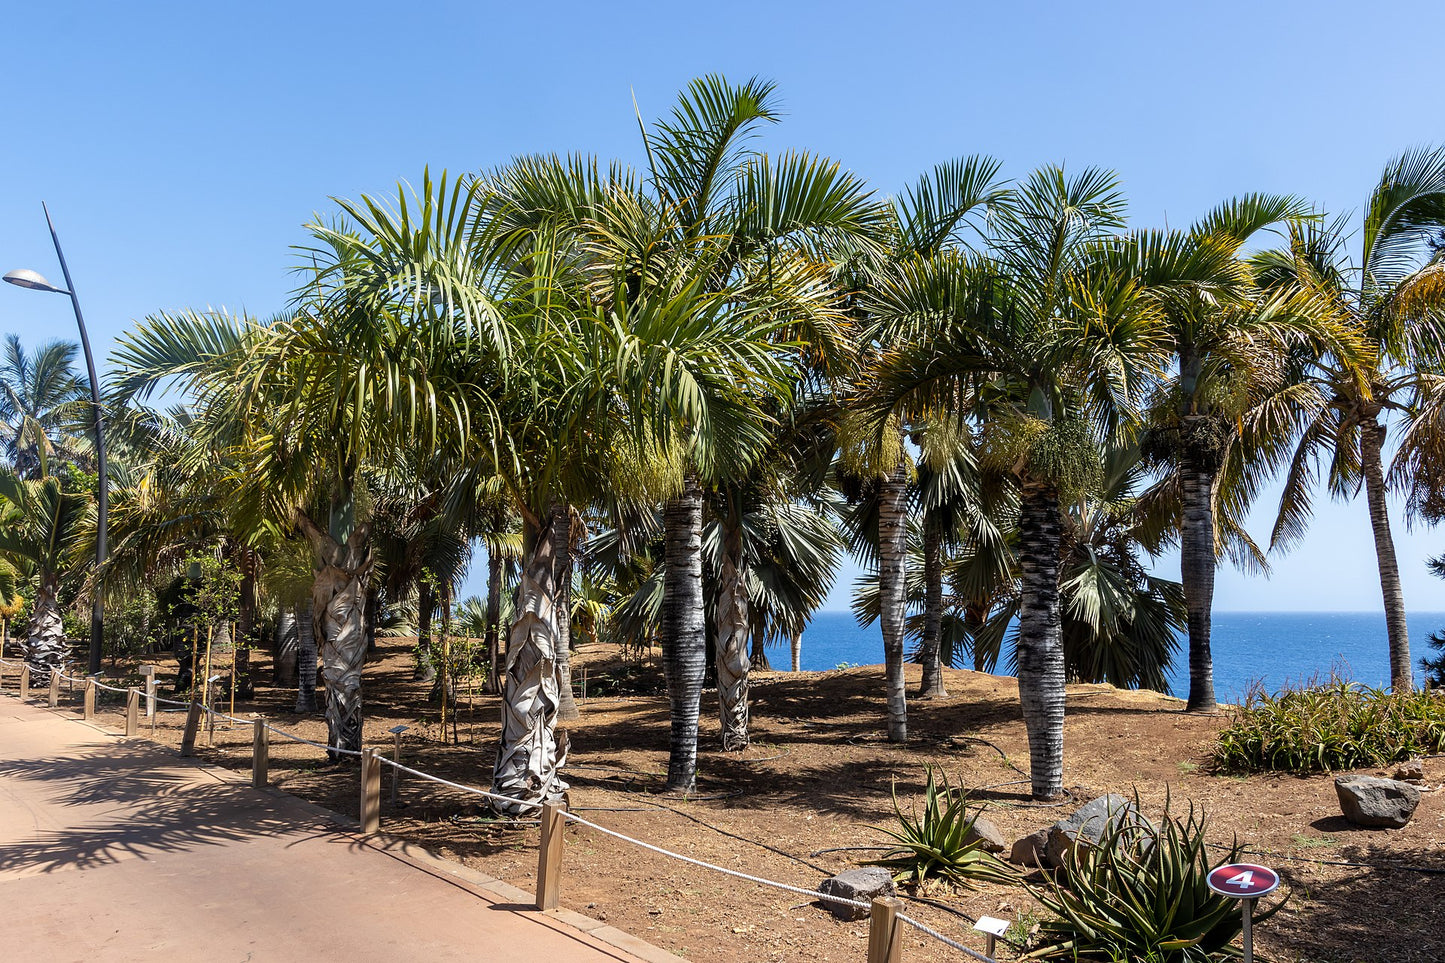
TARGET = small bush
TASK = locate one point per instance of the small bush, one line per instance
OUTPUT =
(1141, 895)
(1338, 725)
(937, 846)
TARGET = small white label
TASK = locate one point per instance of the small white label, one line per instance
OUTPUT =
(988, 924)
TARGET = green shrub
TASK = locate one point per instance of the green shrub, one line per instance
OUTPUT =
(1338, 725)
(936, 846)
(1141, 895)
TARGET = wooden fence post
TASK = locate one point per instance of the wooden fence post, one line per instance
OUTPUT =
(193, 722)
(549, 857)
(149, 671)
(132, 712)
(54, 688)
(88, 699)
(370, 791)
(25, 682)
(885, 936)
(260, 754)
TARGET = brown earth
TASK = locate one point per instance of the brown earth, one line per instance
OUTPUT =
(819, 776)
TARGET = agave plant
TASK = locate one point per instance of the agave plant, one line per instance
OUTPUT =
(1140, 894)
(939, 845)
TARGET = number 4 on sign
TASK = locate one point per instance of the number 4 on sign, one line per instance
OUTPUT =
(1244, 880)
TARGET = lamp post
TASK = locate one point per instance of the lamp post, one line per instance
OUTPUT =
(35, 282)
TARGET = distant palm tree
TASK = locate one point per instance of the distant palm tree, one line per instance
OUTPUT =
(40, 401)
(40, 523)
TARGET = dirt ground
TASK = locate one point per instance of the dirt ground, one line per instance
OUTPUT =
(819, 777)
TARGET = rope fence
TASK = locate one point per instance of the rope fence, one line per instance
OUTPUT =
(884, 934)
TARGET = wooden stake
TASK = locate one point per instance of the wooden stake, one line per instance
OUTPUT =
(395, 772)
(193, 722)
(150, 692)
(88, 699)
(549, 857)
(132, 712)
(885, 936)
(260, 754)
(54, 688)
(370, 791)
(25, 682)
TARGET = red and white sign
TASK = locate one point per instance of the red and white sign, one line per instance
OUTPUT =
(1243, 881)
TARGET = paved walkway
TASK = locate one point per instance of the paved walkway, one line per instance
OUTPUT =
(114, 849)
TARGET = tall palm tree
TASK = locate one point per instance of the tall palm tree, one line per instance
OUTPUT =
(1393, 299)
(39, 526)
(40, 401)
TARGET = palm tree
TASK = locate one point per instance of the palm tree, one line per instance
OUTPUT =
(40, 400)
(1393, 300)
(1053, 355)
(39, 526)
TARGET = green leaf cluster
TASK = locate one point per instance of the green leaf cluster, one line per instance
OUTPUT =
(938, 844)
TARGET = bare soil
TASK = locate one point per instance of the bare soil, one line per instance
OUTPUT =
(820, 775)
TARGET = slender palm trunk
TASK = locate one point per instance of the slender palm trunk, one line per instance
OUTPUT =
(425, 669)
(759, 660)
(284, 664)
(1040, 642)
(733, 660)
(684, 639)
(530, 751)
(1197, 564)
(305, 659)
(797, 645)
(892, 574)
(245, 630)
(932, 687)
(975, 615)
(562, 537)
(338, 597)
(373, 605)
(494, 615)
(46, 650)
(1372, 441)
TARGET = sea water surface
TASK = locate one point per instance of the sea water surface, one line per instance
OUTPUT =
(1273, 648)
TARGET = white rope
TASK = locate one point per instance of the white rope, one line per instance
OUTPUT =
(828, 897)
(456, 785)
(319, 745)
(923, 927)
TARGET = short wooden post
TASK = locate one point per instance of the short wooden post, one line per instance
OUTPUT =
(549, 857)
(260, 754)
(193, 722)
(88, 699)
(54, 688)
(370, 791)
(149, 671)
(885, 936)
(396, 758)
(25, 682)
(132, 712)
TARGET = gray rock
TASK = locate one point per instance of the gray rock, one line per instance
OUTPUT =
(1411, 770)
(865, 884)
(1088, 824)
(1029, 851)
(987, 834)
(1375, 802)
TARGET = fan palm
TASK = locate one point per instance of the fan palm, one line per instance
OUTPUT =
(40, 400)
(39, 526)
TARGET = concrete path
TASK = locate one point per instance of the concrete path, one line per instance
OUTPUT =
(114, 849)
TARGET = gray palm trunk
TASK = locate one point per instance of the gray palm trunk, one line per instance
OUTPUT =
(932, 687)
(892, 574)
(530, 750)
(338, 600)
(494, 615)
(562, 538)
(733, 660)
(284, 665)
(684, 638)
(1197, 566)
(759, 662)
(426, 603)
(305, 659)
(797, 646)
(46, 650)
(1372, 441)
(1040, 640)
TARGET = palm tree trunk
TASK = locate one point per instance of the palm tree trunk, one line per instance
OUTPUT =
(732, 643)
(426, 603)
(494, 615)
(1197, 564)
(684, 638)
(338, 597)
(245, 630)
(932, 687)
(1372, 440)
(562, 536)
(305, 659)
(530, 752)
(284, 664)
(45, 648)
(892, 572)
(759, 660)
(974, 618)
(1040, 642)
(373, 604)
(797, 646)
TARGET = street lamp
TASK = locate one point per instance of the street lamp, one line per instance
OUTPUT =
(35, 282)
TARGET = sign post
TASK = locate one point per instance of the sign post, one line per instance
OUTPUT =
(1245, 882)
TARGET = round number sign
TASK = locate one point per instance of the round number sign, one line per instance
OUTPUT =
(1243, 881)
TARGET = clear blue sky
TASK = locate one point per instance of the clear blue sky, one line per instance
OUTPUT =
(181, 145)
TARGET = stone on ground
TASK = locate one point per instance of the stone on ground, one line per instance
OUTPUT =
(988, 836)
(1374, 802)
(864, 884)
(1029, 851)
(1088, 824)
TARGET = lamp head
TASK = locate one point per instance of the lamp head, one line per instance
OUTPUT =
(33, 280)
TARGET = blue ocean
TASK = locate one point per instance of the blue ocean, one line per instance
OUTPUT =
(1272, 648)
